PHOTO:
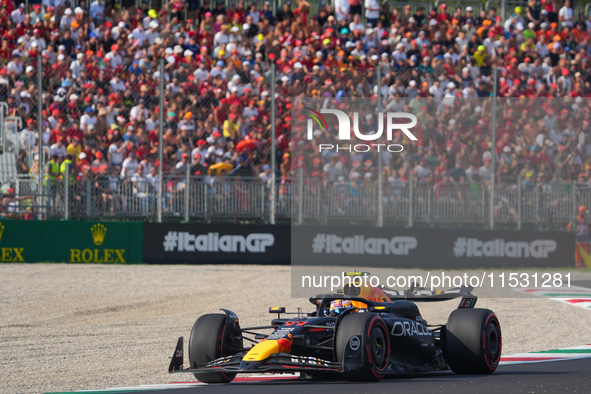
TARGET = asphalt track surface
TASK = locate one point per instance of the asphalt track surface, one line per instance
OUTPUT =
(569, 376)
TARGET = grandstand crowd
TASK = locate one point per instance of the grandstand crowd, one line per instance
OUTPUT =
(100, 65)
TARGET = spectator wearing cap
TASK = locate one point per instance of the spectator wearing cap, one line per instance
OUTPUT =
(75, 31)
(411, 91)
(267, 13)
(183, 162)
(223, 36)
(28, 136)
(231, 127)
(235, 85)
(66, 20)
(187, 123)
(78, 65)
(215, 152)
(98, 160)
(129, 135)
(222, 94)
(129, 166)
(152, 34)
(82, 161)
(18, 15)
(58, 149)
(285, 13)
(25, 103)
(25, 40)
(200, 150)
(218, 70)
(74, 149)
(265, 175)
(443, 15)
(89, 118)
(139, 108)
(29, 78)
(37, 14)
(115, 57)
(171, 122)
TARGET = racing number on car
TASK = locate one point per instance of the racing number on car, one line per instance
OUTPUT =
(297, 323)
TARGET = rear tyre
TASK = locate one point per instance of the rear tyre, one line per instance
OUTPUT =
(365, 338)
(205, 345)
(473, 341)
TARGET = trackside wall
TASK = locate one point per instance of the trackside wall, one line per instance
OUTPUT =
(392, 247)
(71, 242)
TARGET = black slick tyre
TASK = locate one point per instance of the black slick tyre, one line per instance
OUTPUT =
(473, 341)
(205, 345)
(363, 345)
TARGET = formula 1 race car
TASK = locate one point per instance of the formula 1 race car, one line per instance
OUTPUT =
(362, 333)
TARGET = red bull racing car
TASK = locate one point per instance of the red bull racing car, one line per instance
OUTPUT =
(360, 333)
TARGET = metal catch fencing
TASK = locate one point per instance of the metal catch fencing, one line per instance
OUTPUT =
(300, 200)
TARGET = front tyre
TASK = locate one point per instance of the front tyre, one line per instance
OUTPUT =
(473, 341)
(205, 345)
(363, 346)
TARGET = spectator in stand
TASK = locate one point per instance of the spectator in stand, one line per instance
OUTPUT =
(566, 15)
(372, 12)
(100, 72)
(343, 10)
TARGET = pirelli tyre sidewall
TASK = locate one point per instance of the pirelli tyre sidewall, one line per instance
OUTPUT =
(205, 344)
(472, 341)
(362, 344)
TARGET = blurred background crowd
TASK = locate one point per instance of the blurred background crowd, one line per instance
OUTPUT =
(101, 77)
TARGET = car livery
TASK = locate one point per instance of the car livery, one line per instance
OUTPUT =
(381, 334)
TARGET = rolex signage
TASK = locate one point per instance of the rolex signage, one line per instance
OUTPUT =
(96, 254)
(9, 254)
(71, 242)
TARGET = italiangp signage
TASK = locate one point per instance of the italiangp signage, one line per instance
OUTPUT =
(215, 243)
(71, 242)
(358, 246)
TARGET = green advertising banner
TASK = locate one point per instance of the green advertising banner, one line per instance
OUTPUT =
(71, 242)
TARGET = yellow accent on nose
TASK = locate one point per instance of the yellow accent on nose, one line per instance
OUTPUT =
(262, 350)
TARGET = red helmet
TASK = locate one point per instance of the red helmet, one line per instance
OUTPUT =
(582, 208)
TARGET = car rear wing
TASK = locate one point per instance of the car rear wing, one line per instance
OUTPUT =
(422, 294)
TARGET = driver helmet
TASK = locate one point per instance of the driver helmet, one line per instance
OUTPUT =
(338, 306)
